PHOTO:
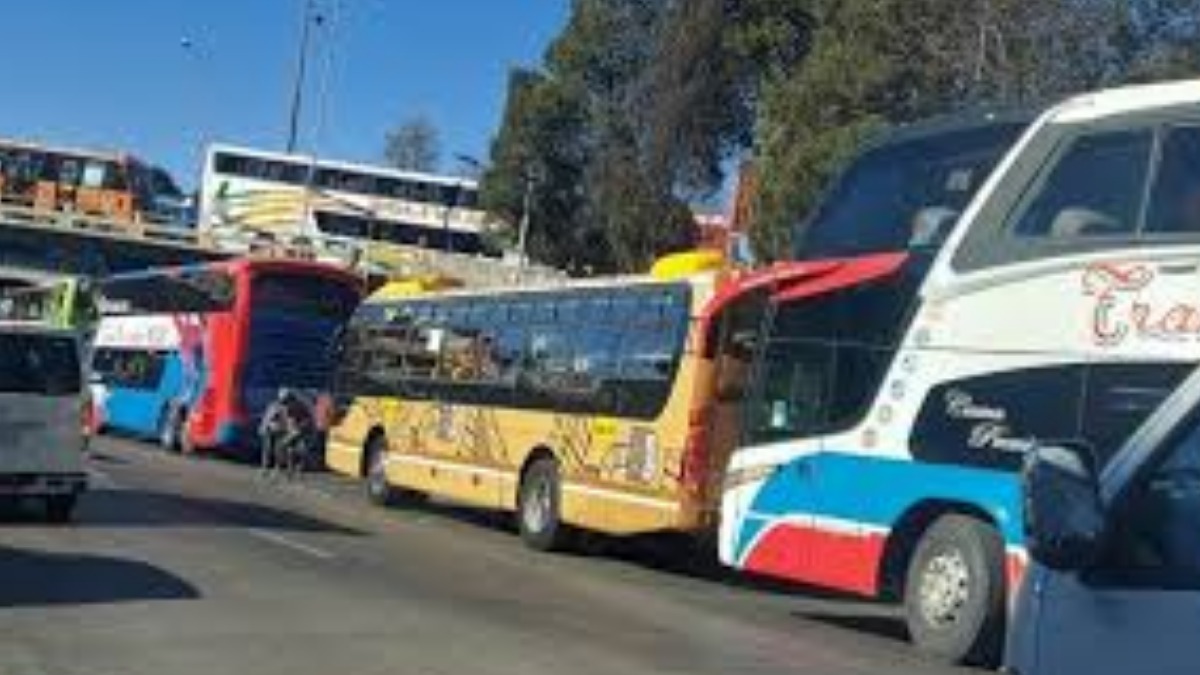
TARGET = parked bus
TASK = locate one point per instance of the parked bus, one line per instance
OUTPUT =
(897, 389)
(341, 209)
(66, 303)
(117, 186)
(192, 356)
(608, 404)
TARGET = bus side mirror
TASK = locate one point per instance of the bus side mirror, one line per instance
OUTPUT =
(1065, 518)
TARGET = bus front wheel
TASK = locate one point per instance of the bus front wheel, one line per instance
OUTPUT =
(59, 508)
(954, 591)
(539, 501)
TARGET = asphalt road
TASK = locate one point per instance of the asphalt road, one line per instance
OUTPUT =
(181, 567)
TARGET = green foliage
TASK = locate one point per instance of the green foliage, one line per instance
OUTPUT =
(639, 105)
(649, 99)
(875, 63)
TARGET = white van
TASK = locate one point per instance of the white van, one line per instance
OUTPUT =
(1115, 585)
(43, 408)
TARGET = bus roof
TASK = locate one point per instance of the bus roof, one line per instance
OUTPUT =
(707, 278)
(236, 265)
(1128, 99)
(9, 327)
(320, 163)
(105, 155)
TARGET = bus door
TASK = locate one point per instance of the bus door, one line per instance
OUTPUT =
(1099, 256)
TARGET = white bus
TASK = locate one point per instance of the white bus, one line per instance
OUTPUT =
(911, 372)
(344, 211)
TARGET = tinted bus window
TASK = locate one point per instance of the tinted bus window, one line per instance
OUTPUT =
(129, 369)
(37, 364)
(874, 206)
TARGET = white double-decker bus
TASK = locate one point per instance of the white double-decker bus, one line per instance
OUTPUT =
(901, 382)
(342, 210)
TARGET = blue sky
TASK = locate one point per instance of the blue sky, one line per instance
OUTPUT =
(161, 77)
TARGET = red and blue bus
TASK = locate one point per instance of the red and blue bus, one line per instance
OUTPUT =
(191, 356)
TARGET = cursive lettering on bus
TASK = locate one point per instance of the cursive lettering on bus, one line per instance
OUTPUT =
(1121, 312)
(961, 405)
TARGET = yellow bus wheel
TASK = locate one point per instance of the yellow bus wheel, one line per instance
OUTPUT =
(539, 506)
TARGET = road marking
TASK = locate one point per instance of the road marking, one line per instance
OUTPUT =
(288, 542)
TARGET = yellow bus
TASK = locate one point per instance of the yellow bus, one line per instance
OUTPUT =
(608, 405)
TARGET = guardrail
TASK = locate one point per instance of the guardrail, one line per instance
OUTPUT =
(98, 226)
(384, 258)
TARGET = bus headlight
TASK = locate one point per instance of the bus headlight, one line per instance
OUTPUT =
(736, 478)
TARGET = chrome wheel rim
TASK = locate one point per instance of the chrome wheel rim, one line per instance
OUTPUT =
(945, 589)
(376, 477)
(539, 503)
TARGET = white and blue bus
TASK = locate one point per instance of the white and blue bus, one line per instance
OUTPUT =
(902, 381)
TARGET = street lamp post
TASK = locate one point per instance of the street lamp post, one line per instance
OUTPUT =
(300, 74)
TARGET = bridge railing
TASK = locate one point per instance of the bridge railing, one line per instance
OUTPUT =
(384, 258)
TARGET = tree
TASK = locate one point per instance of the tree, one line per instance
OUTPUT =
(414, 145)
(875, 63)
(634, 112)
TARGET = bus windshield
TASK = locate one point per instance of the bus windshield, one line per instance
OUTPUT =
(305, 296)
(883, 201)
(187, 291)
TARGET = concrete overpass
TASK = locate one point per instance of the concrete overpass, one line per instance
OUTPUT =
(36, 246)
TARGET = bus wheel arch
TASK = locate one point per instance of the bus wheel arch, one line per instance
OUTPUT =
(918, 543)
(370, 444)
(539, 502)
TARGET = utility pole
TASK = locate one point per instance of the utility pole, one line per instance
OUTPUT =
(450, 194)
(301, 72)
(531, 178)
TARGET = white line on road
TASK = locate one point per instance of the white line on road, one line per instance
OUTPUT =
(288, 542)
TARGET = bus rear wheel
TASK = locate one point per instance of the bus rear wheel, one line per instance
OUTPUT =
(539, 507)
(171, 429)
(954, 592)
(379, 491)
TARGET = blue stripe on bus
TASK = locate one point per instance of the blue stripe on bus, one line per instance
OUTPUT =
(876, 492)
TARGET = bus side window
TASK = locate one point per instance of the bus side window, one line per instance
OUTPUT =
(1175, 201)
(1094, 188)
(93, 175)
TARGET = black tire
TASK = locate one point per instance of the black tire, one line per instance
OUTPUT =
(955, 591)
(60, 508)
(171, 432)
(539, 513)
(379, 491)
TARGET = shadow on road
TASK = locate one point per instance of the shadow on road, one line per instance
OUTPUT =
(106, 458)
(888, 627)
(36, 578)
(143, 508)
